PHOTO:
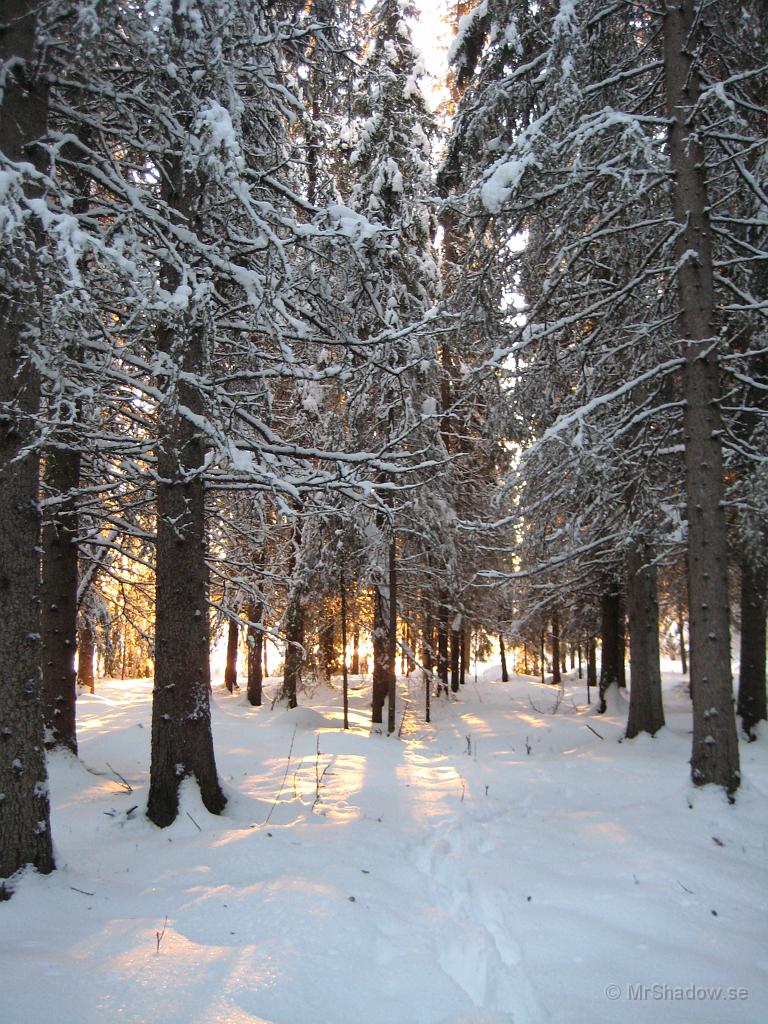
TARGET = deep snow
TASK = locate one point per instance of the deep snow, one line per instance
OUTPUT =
(502, 864)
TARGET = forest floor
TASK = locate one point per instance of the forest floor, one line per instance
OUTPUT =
(504, 864)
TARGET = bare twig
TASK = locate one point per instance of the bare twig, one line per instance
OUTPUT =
(159, 935)
(285, 776)
(594, 731)
(193, 822)
(82, 891)
(128, 786)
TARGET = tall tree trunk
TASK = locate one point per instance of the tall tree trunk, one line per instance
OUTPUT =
(392, 645)
(611, 654)
(681, 637)
(622, 641)
(591, 666)
(85, 652)
(354, 668)
(58, 598)
(25, 830)
(556, 673)
(255, 641)
(380, 682)
(455, 652)
(442, 642)
(427, 649)
(182, 743)
(327, 646)
(715, 755)
(752, 696)
(230, 668)
(345, 676)
(646, 712)
(543, 653)
(295, 653)
(503, 656)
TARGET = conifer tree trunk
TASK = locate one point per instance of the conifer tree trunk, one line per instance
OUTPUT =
(327, 648)
(85, 652)
(58, 600)
(345, 676)
(455, 655)
(715, 755)
(646, 713)
(392, 639)
(503, 655)
(752, 695)
(622, 642)
(255, 658)
(354, 667)
(610, 646)
(380, 682)
(230, 667)
(681, 635)
(591, 666)
(182, 743)
(25, 830)
(442, 642)
(556, 673)
(295, 654)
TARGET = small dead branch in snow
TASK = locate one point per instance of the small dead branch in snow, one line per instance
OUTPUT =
(594, 731)
(319, 775)
(194, 822)
(285, 776)
(159, 935)
(555, 707)
(128, 787)
(83, 892)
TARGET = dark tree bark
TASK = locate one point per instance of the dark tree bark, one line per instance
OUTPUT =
(715, 755)
(455, 655)
(255, 640)
(427, 655)
(25, 830)
(543, 654)
(182, 744)
(591, 666)
(611, 653)
(464, 642)
(295, 652)
(86, 650)
(752, 695)
(328, 649)
(442, 642)
(503, 656)
(58, 599)
(345, 676)
(646, 712)
(354, 668)
(681, 636)
(380, 682)
(230, 667)
(392, 638)
(622, 641)
(556, 673)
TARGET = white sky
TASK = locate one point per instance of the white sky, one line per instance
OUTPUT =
(433, 37)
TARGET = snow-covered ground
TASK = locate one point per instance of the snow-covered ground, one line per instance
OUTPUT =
(502, 864)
